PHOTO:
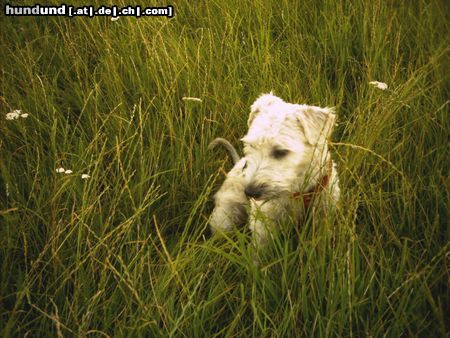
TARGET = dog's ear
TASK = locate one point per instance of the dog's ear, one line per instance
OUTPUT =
(265, 100)
(316, 123)
(251, 117)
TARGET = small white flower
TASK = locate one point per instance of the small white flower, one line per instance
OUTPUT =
(15, 114)
(379, 85)
(188, 98)
(115, 18)
(85, 176)
(12, 116)
(60, 170)
(68, 171)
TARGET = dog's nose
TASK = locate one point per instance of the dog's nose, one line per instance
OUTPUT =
(252, 191)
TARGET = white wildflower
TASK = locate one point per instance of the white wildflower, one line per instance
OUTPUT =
(68, 171)
(85, 176)
(379, 85)
(115, 18)
(188, 98)
(60, 170)
(11, 116)
(15, 114)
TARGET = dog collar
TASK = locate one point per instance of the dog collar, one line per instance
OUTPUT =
(309, 195)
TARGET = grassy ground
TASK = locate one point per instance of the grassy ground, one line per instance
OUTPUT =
(127, 252)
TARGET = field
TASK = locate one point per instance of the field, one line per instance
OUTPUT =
(127, 250)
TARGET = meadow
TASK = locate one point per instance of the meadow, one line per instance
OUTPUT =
(126, 250)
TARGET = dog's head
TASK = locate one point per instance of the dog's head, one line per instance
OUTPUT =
(285, 146)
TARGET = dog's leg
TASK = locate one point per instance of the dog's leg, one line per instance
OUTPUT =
(230, 201)
(263, 217)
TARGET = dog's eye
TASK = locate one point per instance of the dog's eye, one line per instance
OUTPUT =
(279, 153)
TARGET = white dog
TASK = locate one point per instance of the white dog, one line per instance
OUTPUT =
(286, 168)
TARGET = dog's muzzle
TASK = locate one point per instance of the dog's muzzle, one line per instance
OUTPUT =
(253, 191)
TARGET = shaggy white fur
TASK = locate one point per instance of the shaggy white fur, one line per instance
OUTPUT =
(285, 159)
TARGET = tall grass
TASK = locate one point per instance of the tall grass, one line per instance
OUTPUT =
(127, 252)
